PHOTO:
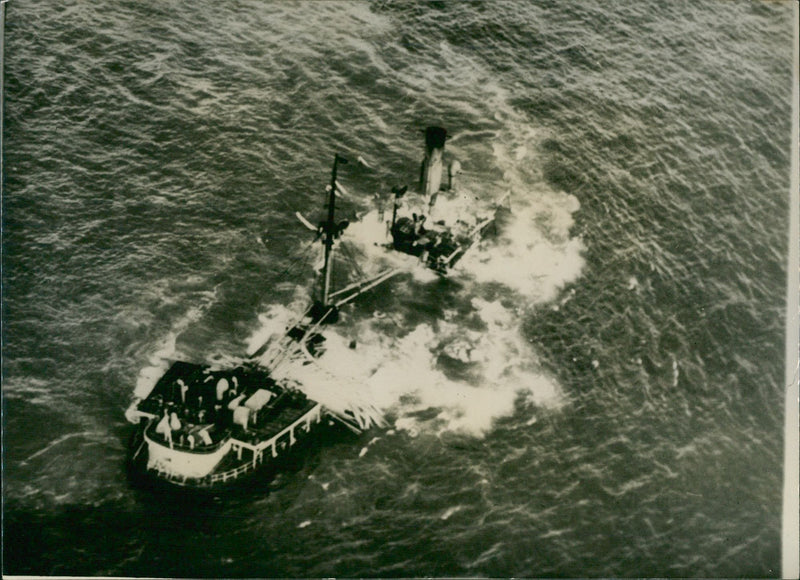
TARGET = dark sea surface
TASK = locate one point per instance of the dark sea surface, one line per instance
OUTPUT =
(595, 392)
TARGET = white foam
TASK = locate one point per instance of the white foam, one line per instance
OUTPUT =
(401, 375)
(534, 254)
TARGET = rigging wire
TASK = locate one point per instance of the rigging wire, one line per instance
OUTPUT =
(353, 263)
(303, 259)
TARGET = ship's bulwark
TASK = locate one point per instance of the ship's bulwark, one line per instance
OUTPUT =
(596, 392)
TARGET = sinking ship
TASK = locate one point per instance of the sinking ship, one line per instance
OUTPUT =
(205, 427)
(416, 228)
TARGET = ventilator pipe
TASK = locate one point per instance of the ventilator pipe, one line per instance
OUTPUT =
(453, 170)
(398, 193)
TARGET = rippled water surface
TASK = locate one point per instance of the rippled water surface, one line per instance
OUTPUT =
(596, 391)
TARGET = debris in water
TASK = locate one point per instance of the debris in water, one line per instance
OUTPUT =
(449, 512)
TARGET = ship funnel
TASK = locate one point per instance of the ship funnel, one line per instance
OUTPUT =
(431, 178)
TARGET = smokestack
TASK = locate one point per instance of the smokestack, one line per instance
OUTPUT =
(431, 179)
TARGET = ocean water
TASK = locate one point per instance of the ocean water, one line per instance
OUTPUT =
(596, 391)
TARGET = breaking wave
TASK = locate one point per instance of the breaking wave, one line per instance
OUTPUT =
(167, 350)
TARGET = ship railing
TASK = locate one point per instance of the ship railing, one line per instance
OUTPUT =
(231, 474)
(315, 415)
